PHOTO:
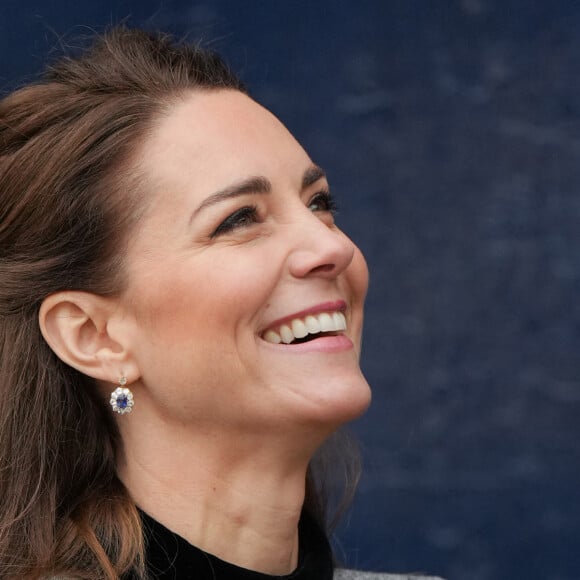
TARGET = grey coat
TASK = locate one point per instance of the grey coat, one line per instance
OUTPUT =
(357, 575)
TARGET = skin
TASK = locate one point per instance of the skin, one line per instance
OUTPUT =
(224, 423)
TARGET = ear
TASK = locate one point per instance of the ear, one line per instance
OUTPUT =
(86, 332)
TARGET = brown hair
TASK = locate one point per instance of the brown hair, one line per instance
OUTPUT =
(68, 197)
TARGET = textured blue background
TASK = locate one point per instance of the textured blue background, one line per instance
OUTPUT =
(450, 130)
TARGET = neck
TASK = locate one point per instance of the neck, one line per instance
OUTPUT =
(238, 499)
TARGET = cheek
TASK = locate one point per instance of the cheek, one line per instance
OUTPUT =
(199, 298)
(165, 300)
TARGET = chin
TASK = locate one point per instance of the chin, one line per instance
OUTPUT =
(341, 401)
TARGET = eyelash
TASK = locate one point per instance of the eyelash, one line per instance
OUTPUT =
(328, 201)
(238, 219)
(248, 215)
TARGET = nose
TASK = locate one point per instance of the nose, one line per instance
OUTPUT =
(319, 250)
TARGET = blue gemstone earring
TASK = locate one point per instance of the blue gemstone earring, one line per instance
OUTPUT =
(122, 398)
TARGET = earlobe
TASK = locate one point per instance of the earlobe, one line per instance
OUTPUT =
(76, 325)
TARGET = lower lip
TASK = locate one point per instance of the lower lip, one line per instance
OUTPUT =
(338, 343)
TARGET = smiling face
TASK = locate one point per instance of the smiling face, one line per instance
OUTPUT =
(244, 300)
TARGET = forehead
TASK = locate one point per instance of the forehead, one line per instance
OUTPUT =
(219, 135)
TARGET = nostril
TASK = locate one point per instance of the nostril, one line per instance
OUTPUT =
(323, 268)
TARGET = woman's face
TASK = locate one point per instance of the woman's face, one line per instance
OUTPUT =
(236, 254)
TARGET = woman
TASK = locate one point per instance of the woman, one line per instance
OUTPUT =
(180, 322)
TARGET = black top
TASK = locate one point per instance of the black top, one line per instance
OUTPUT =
(170, 557)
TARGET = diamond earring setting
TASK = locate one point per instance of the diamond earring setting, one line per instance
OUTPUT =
(122, 398)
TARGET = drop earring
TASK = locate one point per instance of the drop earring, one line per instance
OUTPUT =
(122, 398)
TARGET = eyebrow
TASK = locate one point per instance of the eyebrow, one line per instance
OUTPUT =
(255, 185)
(311, 176)
(250, 185)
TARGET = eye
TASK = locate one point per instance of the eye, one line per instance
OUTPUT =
(323, 201)
(241, 218)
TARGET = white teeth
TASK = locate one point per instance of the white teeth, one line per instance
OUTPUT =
(272, 337)
(326, 322)
(311, 324)
(299, 328)
(339, 320)
(286, 334)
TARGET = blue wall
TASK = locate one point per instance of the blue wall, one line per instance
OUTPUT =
(451, 133)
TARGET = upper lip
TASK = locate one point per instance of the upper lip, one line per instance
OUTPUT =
(332, 306)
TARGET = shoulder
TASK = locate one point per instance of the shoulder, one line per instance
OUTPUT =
(358, 575)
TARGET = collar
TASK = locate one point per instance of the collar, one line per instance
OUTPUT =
(171, 557)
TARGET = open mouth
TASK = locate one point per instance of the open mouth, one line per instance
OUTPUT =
(311, 327)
